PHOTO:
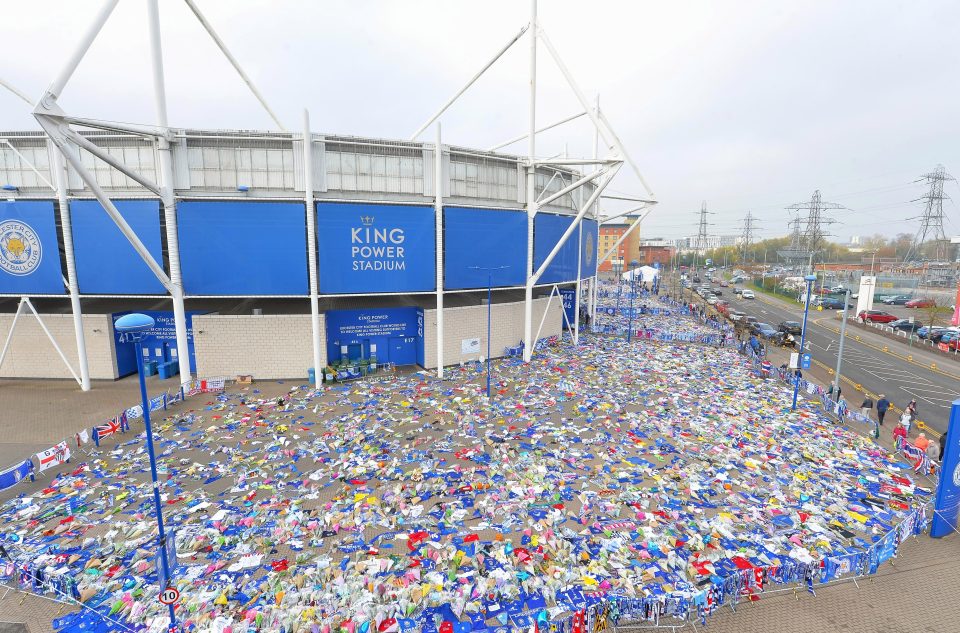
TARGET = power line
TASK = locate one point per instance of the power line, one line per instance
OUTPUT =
(746, 237)
(814, 235)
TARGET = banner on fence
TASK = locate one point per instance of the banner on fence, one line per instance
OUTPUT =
(15, 474)
(156, 403)
(53, 456)
(205, 386)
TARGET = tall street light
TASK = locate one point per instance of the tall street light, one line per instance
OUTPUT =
(803, 337)
(490, 270)
(134, 327)
(633, 291)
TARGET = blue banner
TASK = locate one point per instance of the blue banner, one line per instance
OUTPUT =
(589, 243)
(106, 262)
(948, 491)
(483, 245)
(386, 335)
(29, 250)
(547, 231)
(159, 344)
(569, 296)
(367, 248)
(15, 474)
(243, 248)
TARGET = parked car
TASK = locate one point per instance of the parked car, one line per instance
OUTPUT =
(748, 294)
(736, 315)
(750, 320)
(876, 316)
(790, 327)
(920, 303)
(831, 303)
(724, 284)
(722, 307)
(738, 291)
(927, 331)
(895, 300)
(716, 291)
(711, 299)
(906, 325)
(947, 333)
(838, 289)
(950, 339)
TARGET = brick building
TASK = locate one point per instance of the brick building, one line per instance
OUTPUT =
(628, 250)
(656, 252)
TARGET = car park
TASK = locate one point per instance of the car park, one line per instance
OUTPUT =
(906, 325)
(748, 294)
(790, 327)
(876, 316)
(920, 303)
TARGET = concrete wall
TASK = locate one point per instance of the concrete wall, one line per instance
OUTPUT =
(32, 355)
(471, 322)
(266, 347)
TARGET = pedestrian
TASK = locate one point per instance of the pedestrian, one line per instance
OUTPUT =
(922, 442)
(906, 418)
(866, 407)
(882, 406)
(837, 392)
(830, 391)
(899, 434)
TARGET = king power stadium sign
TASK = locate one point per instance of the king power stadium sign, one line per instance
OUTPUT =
(376, 248)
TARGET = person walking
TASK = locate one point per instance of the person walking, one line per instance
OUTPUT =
(906, 418)
(883, 405)
(899, 434)
(837, 392)
(866, 407)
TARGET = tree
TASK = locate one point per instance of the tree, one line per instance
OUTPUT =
(936, 314)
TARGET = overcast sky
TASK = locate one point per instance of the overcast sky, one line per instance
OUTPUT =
(749, 106)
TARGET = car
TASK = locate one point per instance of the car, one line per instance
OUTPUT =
(736, 315)
(928, 331)
(711, 300)
(724, 284)
(950, 339)
(876, 316)
(906, 325)
(920, 303)
(830, 303)
(750, 320)
(895, 300)
(790, 327)
(767, 331)
(716, 291)
(696, 280)
(722, 306)
(838, 289)
(738, 291)
(748, 294)
(946, 333)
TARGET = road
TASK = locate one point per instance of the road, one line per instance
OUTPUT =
(864, 361)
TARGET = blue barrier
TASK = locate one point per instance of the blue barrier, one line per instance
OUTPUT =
(15, 474)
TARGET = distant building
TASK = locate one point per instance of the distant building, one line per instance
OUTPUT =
(687, 244)
(656, 251)
(628, 249)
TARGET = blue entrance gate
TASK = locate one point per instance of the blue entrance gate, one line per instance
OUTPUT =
(388, 334)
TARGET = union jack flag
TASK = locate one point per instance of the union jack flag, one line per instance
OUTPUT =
(115, 425)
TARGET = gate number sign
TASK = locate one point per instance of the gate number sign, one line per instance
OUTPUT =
(170, 595)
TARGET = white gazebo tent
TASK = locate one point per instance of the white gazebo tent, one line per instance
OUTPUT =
(643, 273)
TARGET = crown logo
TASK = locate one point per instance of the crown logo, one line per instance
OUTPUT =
(367, 220)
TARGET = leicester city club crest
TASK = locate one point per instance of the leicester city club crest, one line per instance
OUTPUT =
(20, 250)
(590, 249)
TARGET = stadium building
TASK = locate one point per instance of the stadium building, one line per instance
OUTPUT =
(265, 253)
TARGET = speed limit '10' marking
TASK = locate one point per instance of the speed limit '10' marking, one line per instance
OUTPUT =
(170, 595)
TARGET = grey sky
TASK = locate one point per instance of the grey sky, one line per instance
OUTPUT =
(747, 105)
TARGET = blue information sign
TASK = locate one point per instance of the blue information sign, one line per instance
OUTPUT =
(805, 361)
(392, 335)
(948, 491)
(569, 296)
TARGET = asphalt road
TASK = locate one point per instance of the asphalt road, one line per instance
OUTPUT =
(864, 362)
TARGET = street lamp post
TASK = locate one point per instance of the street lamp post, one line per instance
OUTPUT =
(803, 336)
(633, 291)
(135, 326)
(490, 270)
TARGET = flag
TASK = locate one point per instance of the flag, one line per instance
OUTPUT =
(53, 456)
(108, 429)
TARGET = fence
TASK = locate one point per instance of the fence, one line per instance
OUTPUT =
(60, 452)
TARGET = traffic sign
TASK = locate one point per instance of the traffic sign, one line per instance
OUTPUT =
(170, 595)
(805, 361)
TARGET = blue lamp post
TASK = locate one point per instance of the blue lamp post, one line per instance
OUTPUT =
(134, 327)
(490, 270)
(633, 291)
(803, 336)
